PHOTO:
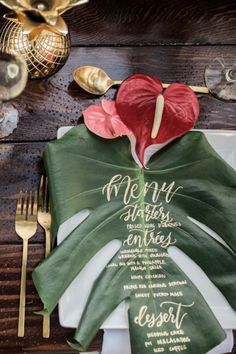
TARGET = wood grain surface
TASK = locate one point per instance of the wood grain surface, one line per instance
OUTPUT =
(152, 22)
(174, 40)
(20, 168)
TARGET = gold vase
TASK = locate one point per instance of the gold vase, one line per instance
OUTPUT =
(45, 54)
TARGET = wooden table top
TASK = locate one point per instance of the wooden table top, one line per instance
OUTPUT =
(172, 39)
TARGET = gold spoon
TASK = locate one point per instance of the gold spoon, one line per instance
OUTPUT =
(97, 82)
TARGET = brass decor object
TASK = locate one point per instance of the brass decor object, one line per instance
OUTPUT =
(96, 81)
(44, 220)
(37, 31)
(44, 55)
(25, 226)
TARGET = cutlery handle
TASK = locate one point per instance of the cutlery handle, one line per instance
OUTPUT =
(46, 326)
(47, 242)
(21, 320)
(46, 318)
(117, 82)
(197, 89)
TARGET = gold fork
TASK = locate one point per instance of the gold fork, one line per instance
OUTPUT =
(44, 219)
(25, 226)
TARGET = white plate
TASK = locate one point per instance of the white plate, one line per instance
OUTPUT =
(74, 299)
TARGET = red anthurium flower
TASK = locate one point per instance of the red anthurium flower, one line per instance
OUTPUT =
(137, 102)
(103, 120)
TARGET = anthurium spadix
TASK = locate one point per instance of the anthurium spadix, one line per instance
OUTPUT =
(155, 117)
(149, 116)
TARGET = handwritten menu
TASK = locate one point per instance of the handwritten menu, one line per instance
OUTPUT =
(162, 311)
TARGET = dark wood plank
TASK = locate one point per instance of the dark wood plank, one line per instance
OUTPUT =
(20, 166)
(50, 103)
(20, 169)
(137, 22)
(10, 268)
(152, 22)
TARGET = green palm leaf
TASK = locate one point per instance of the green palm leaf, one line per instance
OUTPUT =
(148, 210)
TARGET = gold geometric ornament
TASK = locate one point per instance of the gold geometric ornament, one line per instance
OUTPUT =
(45, 54)
(37, 31)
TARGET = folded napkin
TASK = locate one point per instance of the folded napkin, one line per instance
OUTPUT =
(79, 167)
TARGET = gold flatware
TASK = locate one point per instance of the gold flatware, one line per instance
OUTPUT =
(25, 226)
(93, 80)
(96, 81)
(44, 220)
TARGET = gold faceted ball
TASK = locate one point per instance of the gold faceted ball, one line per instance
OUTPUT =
(44, 55)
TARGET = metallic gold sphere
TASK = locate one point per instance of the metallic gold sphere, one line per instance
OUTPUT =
(44, 55)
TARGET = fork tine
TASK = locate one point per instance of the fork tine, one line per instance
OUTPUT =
(30, 205)
(25, 203)
(35, 205)
(40, 200)
(46, 196)
(19, 204)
